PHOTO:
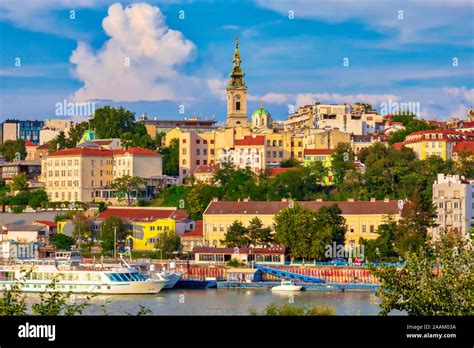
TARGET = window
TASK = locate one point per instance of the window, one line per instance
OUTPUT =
(372, 228)
(198, 152)
(212, 151)
(280, 142)
(204, 141)
(237, 106)
(198, 162)
(280, 154)
(198, 141)
(364, 228)
(184, 141)
(351, 229)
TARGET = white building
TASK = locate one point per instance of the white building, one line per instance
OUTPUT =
(453, 197)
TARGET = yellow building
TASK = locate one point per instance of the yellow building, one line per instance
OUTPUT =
(434, 142)
(148, 224)
(85, 173)
(362, 217)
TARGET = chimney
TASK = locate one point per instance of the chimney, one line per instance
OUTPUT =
(215, 199)
(319, 199)
(247, 199)
(238, 199)
(386, 200)
(350, 199)
(372, 199)
(284, 200)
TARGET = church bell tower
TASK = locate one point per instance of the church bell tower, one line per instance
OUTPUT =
(236, 93)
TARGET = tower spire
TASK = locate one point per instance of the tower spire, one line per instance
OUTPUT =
(237, 75)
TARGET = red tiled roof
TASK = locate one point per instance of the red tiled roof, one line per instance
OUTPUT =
(46, 222)
(29, 143)
(398, 146)
(447, 135)
(197, 232)
(272, 208)
(318, 151)
(45, 146)
(180, 214)
(463, 146)
(136, 151)
(137, 213)
(206, 169)
(250, 140)
(276, 171)
(211, 250)
(467, 124)
(84, 151)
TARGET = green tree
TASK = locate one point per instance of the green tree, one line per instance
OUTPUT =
(171, 158)
(110, 122)
(383, 247)
(290, 163)
(10, 148)
(342, 161)
(61, 241)
(168, 242)
(236, 235)
(259, 235)
(412, 228)
(82, 228)
(295, 228)
(35, 198)
(432, 282)
(101, 207)
(107, 232)
(306, 233)
(198, 199)
(19, 182)
(125, 186)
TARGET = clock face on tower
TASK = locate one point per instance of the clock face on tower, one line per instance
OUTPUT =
(237, 97)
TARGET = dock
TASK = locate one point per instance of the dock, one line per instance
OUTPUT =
(307, 286)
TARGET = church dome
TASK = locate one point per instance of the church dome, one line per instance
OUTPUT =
(261, 111)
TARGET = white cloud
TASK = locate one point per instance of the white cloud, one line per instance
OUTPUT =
(139, 61)
(301, 99)
(419, 17)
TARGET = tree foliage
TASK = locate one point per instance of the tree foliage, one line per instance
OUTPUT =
(171, 158)
(10, 148)
(125, 186)
(107, 232)
(435, 281)
(168, 242)
(198, 198)
(255, 234)
(61, 241)
(19, 182)
(306, 233)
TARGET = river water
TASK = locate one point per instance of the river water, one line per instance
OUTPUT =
(229, 302)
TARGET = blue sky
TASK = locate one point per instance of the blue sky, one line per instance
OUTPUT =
(293, 53)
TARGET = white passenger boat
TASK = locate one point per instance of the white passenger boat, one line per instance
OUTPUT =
(172, 276)
(36, 275)
(287, 285)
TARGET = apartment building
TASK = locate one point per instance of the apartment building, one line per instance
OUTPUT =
(453, 196)
(52, 128)
(85, 173)
(300, 120)
(362, 217)
(250, 153)
(22, 129)
(435, 142)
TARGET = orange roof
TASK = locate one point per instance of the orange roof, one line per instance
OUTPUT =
(463, 146)
(318, 151)
(276, 171)
(206, 169)
(29, 143)
(197, 232)
(46, 222)
(250, 140)
(84, 151)
(136, 151)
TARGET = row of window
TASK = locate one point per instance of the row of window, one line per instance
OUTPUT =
(198, 141)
